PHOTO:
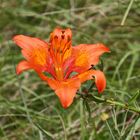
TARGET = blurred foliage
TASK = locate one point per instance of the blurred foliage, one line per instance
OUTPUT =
(29, 110)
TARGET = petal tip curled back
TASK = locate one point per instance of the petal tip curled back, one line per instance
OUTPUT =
(100, 81)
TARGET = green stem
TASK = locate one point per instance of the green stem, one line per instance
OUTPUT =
(116, 103)
(127, 11)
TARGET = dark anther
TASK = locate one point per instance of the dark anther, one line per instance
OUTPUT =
(92, 67)
(63, 32)
(62, 36)
(55, 37)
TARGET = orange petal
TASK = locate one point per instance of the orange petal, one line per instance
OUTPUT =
(66, 91)
(22, 66)
(100, 79)
(26, 42)
(66, 95)
(33, 49)
(87, 55)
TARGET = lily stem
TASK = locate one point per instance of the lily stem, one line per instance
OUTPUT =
(111, 102)
(116, 103)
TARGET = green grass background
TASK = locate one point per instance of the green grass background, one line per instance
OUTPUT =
(29, 109)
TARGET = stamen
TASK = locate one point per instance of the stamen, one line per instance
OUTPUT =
(63, 31)
(62, 36)
(59, 72)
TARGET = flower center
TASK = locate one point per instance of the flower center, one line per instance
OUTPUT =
(59, 73)
(60, 50)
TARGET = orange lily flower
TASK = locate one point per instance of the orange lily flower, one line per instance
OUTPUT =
(61, 65)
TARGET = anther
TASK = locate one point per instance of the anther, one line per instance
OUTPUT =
(62, 36)
(63, 31)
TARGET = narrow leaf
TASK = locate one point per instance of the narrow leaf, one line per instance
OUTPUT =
(134, 97)
(44, 131)
(95, 98)
(88, 109)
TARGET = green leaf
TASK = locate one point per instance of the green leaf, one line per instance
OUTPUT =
(134, 97)
(1, 38)
(44, 131)
(95, 98)
(88, 109)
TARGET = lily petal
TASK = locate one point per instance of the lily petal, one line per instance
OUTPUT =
(26, 42)
(87, 55)
(66, 95)
(22, 66)
(100, 79)
(33, 49)
(65, 91)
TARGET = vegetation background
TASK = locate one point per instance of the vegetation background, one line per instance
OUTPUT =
(29, 109)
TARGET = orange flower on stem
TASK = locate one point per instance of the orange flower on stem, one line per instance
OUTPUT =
(68, 66)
